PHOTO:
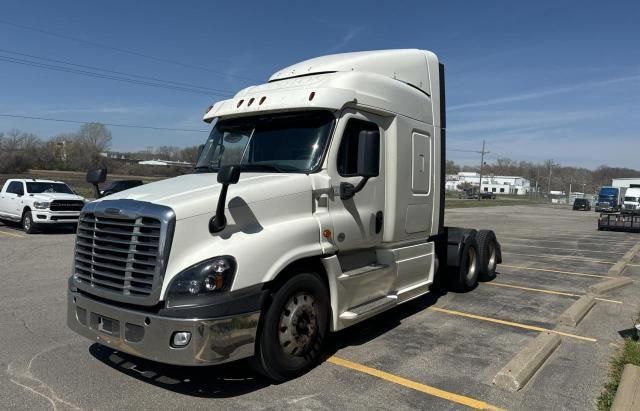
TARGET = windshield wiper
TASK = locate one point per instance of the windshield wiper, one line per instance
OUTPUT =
(270, 167)
(205, 168)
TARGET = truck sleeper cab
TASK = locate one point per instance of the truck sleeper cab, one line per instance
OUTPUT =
(317, 202)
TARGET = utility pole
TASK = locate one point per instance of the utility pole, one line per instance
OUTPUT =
(551, 164)
(570, 183)
(482, 153)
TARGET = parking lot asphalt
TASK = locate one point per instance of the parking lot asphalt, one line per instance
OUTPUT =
(438, 352)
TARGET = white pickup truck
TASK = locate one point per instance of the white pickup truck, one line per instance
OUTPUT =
(36, 203)
(317, 202)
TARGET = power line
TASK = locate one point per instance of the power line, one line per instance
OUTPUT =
(46, 66)
(191, 86)
(122, 50)
(106, 124)
(463, 151)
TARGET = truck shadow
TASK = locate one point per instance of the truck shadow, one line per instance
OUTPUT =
(372, 328)
(237, 378)
(221, 381)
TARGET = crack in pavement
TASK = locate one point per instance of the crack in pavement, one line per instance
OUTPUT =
(21, 375)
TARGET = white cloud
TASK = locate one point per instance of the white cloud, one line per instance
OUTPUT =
(346, 38)
(543, 93)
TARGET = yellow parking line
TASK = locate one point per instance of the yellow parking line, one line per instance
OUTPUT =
(436, 392)
(510, 323)
(556, 271)
(540, 290)
(573, 239)
(11, 234)
(563, 257)
(561, 248)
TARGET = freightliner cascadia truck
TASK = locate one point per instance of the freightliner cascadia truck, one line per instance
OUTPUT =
(317, 202)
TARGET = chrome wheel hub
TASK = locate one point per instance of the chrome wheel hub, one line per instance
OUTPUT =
(492, 256)
(471, 263)
(298, 324)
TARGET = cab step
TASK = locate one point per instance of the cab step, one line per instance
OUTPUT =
(369, 308)
(362, 270)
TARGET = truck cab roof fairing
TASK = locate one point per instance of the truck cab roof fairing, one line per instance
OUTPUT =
(406, 65)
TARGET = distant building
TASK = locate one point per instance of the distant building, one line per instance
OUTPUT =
(492, 184)
(625, 182)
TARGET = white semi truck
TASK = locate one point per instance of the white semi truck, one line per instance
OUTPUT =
(317, 202)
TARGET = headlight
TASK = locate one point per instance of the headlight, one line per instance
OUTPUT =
(198, 283)
(41, 205)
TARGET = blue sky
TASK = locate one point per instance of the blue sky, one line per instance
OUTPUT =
(536, 80)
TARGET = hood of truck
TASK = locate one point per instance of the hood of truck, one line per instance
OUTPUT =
(54, 196)
(195, 194)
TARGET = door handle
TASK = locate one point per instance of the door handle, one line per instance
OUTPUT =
(379, 221)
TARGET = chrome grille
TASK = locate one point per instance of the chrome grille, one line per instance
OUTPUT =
(123, 256)
(66, 205)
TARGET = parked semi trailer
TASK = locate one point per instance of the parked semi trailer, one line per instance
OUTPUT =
(317, 202)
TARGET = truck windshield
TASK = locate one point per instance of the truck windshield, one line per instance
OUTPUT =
(41, 187)
(289, 143)
(608, 192)
(632, 199)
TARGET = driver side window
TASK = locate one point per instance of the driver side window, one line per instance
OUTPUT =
(15, 187)
(348, 151)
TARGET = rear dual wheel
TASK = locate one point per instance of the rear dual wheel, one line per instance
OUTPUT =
(487, 254)
(466, 273)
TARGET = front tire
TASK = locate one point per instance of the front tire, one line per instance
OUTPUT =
(294, 328)
(27, 223)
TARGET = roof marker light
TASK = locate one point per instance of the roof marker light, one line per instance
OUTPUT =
(312, 95)
(251, 101)
(262, 100)
(240, 103)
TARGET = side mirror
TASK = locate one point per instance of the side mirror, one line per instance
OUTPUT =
(368, 153)
(20, 192)
(226, 175)
(95, 177)
(229, 174)
(368, 162)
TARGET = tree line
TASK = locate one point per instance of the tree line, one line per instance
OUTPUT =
(82, 150)
(579, 178)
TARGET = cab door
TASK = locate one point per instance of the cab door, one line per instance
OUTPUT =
(357, 219)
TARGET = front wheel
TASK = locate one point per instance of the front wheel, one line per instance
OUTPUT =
(27, 223)
(294, 328)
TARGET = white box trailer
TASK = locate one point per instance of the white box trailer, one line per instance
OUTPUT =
(317, 202)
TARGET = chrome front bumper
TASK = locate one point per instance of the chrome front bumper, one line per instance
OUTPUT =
(213, 341)
(54, 217)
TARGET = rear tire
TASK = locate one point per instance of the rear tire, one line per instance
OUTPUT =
(465, 275)
(294, 328)
(27, 223)
(487, 255)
